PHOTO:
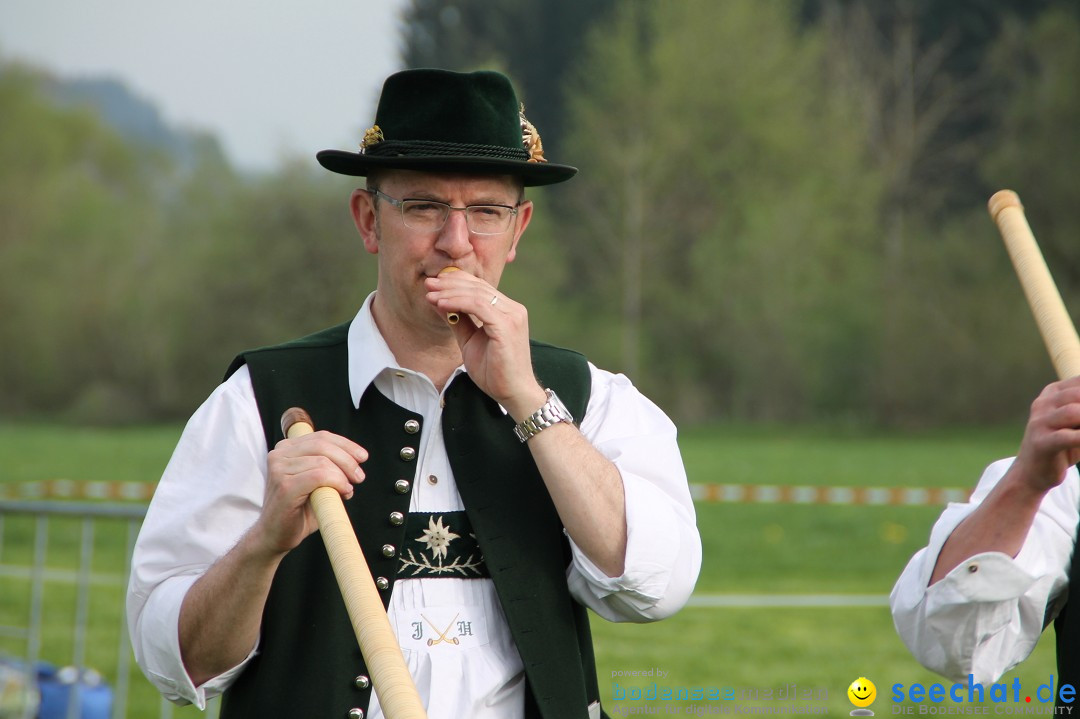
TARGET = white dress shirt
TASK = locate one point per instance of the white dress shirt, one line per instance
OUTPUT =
(212, 492)
(985, 616)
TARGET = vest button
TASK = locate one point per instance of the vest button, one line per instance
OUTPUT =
(389, 550)
(401, 486)
(356, 713)
(362, 682)
(412, 426)
(397, 518)
(407, 453)
(382, 582)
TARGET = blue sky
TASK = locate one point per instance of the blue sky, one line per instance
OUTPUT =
(268, 78)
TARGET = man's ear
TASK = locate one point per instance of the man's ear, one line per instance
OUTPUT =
(362, 206)
(523, 216)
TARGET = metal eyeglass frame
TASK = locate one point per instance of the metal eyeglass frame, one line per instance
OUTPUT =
(400, 204)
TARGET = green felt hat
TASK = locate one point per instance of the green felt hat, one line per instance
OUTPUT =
(442, 121)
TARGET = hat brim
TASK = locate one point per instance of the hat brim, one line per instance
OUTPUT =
(532, 174)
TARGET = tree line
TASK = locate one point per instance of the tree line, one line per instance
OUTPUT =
(779, 215)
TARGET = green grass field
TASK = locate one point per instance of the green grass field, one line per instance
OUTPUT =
(748, 549)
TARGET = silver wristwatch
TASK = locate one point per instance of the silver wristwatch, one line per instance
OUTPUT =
(553, 412)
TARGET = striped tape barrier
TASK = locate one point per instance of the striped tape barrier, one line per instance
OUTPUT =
(791, 494)
(72, 489)
(117, 491)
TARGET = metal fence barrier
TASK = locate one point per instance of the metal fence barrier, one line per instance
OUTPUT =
(32, 572)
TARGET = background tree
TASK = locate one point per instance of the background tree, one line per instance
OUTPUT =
(1035, 151)
(705, 130)
(924, 78)
(73, 200)
(780, 213)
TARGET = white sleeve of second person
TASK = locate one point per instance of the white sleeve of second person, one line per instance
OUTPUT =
(663, 547)
(210, 494)
(986, 615)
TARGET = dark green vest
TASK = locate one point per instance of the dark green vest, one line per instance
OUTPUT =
(308, 662)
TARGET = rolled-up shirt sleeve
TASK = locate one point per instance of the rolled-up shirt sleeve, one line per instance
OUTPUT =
(663, 547)
(986, 615)
(208, 496)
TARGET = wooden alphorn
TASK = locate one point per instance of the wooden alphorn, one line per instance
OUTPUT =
(389, 676)
(1043, 297)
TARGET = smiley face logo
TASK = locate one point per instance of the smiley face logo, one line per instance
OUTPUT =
(862, 692)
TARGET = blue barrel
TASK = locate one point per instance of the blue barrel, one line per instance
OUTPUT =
(59, 687)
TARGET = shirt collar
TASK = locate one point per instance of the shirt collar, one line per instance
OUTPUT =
(369, 355)
(368, 352)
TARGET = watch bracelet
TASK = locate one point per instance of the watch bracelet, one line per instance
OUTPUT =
(552, 412)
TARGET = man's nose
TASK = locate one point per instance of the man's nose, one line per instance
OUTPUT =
(454, 237)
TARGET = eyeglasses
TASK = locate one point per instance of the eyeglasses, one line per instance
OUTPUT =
(430, 216)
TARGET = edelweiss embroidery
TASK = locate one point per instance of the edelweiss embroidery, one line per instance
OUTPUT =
(444, 552)
(437, 537)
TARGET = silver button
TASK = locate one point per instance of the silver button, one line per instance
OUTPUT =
(382, 582)
(407, 453)
(397, 518)
(389, 550)
(362, 682)
(432, 479)
(401, 486)
(412, 426)
(356, 713)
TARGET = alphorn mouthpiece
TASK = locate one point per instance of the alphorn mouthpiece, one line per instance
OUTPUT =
(1001, 200)
(294, 415)
(451, 317)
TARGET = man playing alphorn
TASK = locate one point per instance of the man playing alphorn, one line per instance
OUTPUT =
(973, 603)
(996, 570)
(497, 486)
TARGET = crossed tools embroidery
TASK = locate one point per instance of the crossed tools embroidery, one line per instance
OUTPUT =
(442, 635)
(464, 630)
